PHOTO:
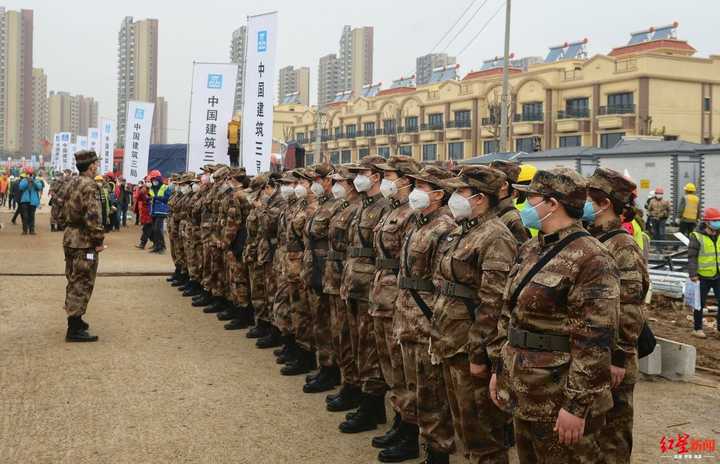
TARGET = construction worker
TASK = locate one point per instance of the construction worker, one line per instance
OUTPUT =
(658, 212)
(233, 135)
(704, 264)
(527, 172)
(689, 210)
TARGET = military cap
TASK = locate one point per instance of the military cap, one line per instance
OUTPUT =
(432, 175)
(563, 184)
(302, 174)
(613, 184)
(238, 172)
(402, 164)
(321, 170)
(210, 168)
(86, 157)
(287, 178)
(343, 173)
(221, 172)
(483, 178)
(175, 177)
(510, 168)
(258, 182)
(368, 162)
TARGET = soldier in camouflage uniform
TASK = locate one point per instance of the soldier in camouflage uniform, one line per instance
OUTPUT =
(349, 201)
(82, 244)
(182, 211)
(273, 204)
(173, 227)
(402, 438)
(552, 354)
(506, 210)
(304, 359)
(413, 313)
(205, 212)
(610, 197)
(193, 240)
(470, 276)
(57, 199)
(315, 235)
(256, 272)
(357, 279)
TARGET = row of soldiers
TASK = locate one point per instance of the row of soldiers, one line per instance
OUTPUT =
(421, 284)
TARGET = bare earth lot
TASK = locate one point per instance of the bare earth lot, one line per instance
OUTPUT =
(167, 384)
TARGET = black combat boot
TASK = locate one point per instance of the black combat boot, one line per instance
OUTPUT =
(368, 416)
(52, 228)
(187, 285)
(193, 288)
(392, 436)
(180, 280)
(348, 399)
(406, 447)
(260, 330)
(271, 340)
(231, 312)
(174, 276)
(303, 363)
(203, 299)
(283, 349)
(435, 457)
(218, 305)
(291, 351)
(240, 321)
(77, 332)
(326, 380)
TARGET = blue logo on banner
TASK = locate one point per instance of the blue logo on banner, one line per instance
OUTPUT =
(214, 81)
(65, 137)
(262, 41)
(139, 113)
(108, 127)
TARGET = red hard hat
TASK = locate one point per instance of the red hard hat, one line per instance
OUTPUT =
(659, 190)
(29, 170)
(154, 173)
(711, 214)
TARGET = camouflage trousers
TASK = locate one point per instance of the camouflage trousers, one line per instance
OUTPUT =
(56, 215)
(425, 382)
(365, 349)
(485, 430)
(238, 281)
(302, 316)
(341, 323)
(206, 267)
(80, 270)
(218, 271)
(258, 293)
(320, 312)
(174, 237)
(271, 284)
(391, 365)
(193, 252)
(281, 301)
(616, 438)
(537, 443)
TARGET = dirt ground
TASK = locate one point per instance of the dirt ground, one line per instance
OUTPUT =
(166, 384)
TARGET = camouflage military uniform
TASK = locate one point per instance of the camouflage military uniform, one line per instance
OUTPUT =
(173, 222)
(268, 216)
(506, 210)
(412, 329)
(84, 232)
(233, 238)
(301, 312)
(616, 438)
(183, 211)
(282, 315)
(559, 334)
(207, 226)
(193, 240)
(58, 194)
(218, 269)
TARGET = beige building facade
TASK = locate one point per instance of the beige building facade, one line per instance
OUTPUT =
(40, 132)
(160, 118)
(71, 113)
(656, 87)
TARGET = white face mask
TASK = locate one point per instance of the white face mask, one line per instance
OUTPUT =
(388, 188)
(286, 191)
(362, 183)
(184, 189)
(195, 187)
(339, 192)
(317, 189)
(419, 199)
(460, 206)
(155, 183)
(300, 191)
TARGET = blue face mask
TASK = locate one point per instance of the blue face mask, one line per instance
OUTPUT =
(714, 225)
(588, 212)
(530, 217)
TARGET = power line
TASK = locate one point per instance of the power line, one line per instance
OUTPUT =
(467, 23)
(482, 29)
(453, 26)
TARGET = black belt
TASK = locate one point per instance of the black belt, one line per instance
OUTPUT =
(416, 284)
(387, 263)
(359, 252)
(319, 246)
(538, 341)
(448, 288)
(335, 255)
(295, 247)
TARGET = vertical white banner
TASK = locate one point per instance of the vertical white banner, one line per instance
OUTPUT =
(66, 159)
(211, 109)
(55, 154)
(72, 149)
(105, 145)
(137, 140)
(94, 140)
(81, 142)
(257, 119)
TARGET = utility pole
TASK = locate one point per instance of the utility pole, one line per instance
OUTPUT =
(505, 85)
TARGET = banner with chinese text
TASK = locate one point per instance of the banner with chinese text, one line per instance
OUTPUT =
(212, 98)
(257, 118)
(105, 144)
(66, 158)
(55, 154)
(137, 140)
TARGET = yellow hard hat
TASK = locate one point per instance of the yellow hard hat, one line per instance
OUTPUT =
(527, 172)
(98, 177)
(690, 187)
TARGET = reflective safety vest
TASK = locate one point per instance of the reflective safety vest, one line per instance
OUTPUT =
(708, 255)
(691, 207)
(520, 207)
(641, 238)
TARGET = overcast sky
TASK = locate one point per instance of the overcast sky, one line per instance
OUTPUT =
(76, 40)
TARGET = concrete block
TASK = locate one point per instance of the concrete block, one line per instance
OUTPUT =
(652, 363)
(678, 359)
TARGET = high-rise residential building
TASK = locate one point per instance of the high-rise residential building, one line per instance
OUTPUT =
(328, 79)
(424, 65)
(345, 60)
(237, 55)
(159, 130)
(296, 82)
(40, 111)
(355, 67)
(16, 82)
(137, 66)
(71, 113)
